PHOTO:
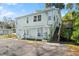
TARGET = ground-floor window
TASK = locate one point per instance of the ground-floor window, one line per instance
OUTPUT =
(39, 32)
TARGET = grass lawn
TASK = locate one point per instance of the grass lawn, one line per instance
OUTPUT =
(7, 36)
(74, 49)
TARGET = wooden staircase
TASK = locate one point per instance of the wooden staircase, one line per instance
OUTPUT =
(55, 36)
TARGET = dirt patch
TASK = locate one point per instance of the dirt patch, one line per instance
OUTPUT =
(32, 48)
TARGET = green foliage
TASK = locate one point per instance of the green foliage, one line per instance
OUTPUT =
(69, 6)
(74, 34)
(57, 5)
(67, 33)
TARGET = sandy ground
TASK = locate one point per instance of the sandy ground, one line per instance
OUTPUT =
(31, 48)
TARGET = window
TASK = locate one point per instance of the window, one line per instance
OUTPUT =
(57, 20)
(39, 32)
(39, 17)
(54, 18)
(49, 17)
(27, 20)
(35, 18)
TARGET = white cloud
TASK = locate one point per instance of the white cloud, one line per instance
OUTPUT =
(1, 7)
(5, 12)
(11, 3)
(23, 10)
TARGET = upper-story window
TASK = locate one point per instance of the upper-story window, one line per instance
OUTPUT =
(35, 18)
(39, 17)
(49, 17)
(27, 20)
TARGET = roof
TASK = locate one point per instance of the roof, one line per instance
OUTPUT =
(45, 10)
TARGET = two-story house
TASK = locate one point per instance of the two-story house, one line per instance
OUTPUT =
(39, 25)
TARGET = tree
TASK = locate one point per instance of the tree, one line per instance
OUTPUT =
(75, 21)
(57, 5)
(67, 28)
(60, 5)
(8, 22)
(47, 5)
(69, 18)
(69, 6)
(77, 6)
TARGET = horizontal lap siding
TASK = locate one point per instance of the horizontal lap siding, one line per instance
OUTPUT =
(33, 32)
(32, 26)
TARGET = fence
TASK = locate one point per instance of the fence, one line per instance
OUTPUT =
(6, 31)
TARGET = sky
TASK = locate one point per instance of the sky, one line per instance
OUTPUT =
(14, 10)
